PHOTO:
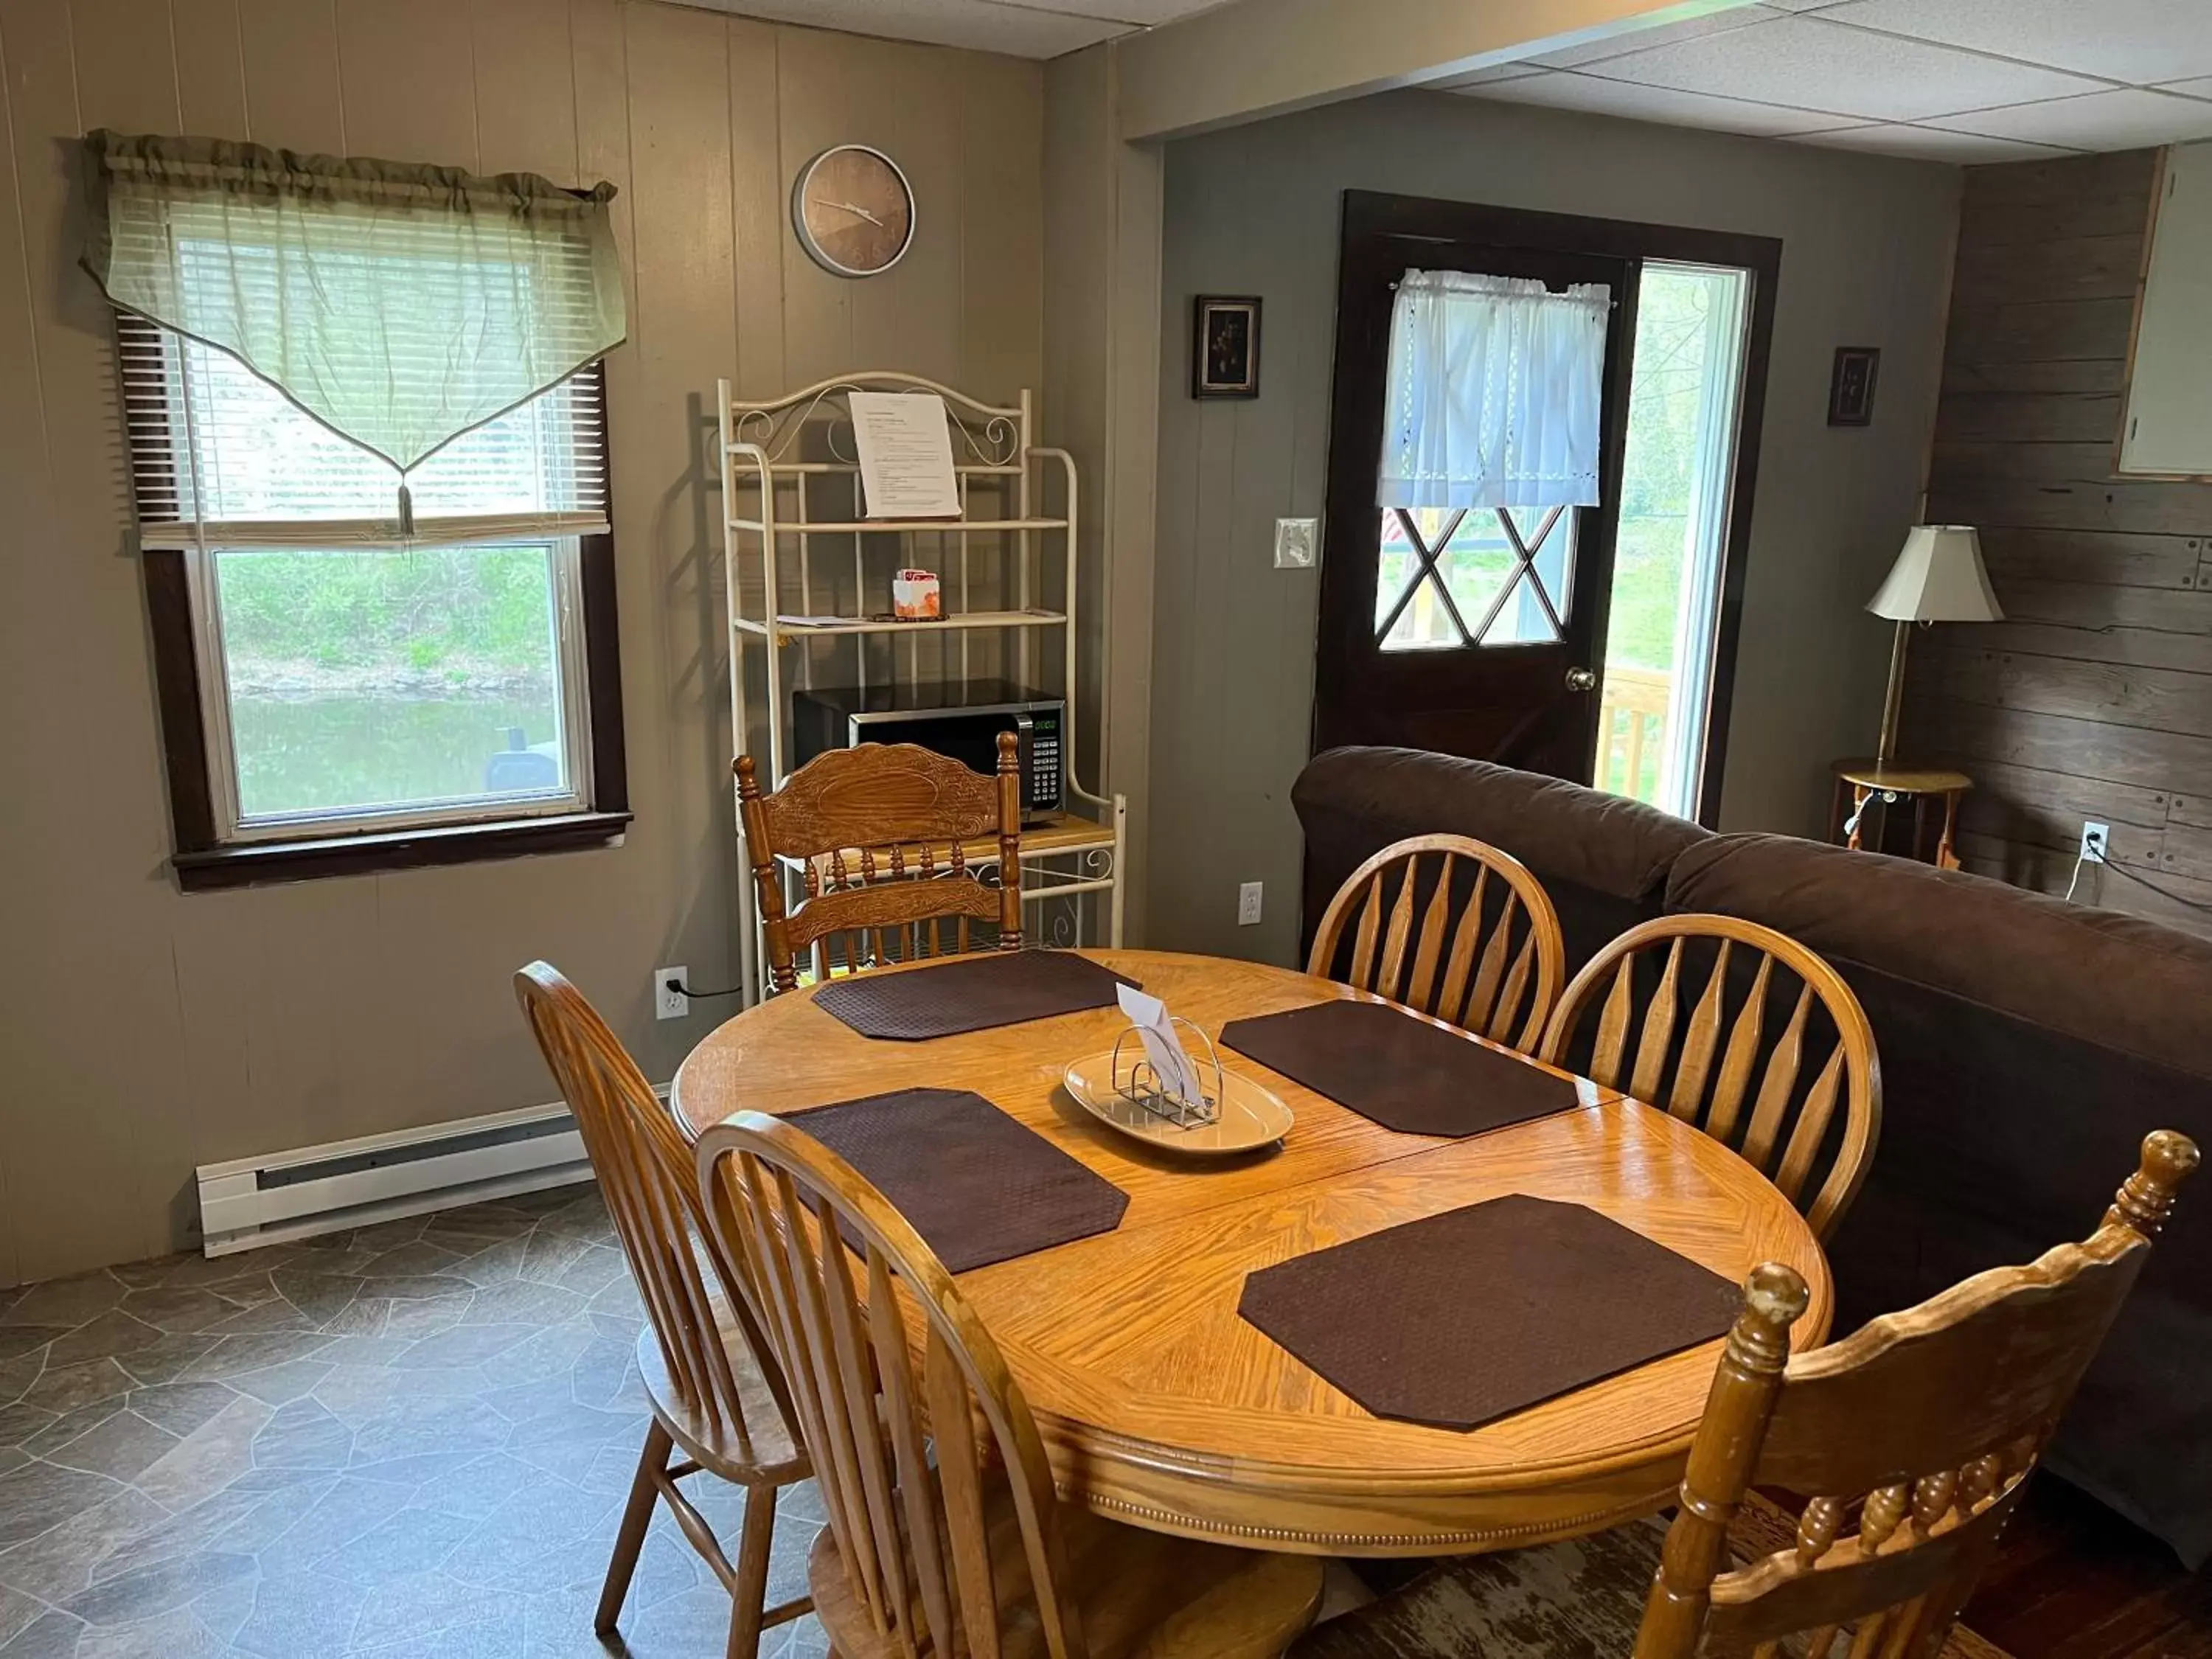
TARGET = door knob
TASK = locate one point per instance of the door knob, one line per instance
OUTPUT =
(1582, 679)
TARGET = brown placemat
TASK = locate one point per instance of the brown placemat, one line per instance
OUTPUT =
(972, 993)
(1460, 1318)
(1400, 1070)
(978, 1187)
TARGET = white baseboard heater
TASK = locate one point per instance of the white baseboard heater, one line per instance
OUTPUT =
(355, 1183)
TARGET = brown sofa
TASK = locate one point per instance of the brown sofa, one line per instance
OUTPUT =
(2027, 1045)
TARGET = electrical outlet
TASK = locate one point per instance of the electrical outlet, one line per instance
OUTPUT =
(668, 1003)
(1248, 904)
(1295, 540)
(2096, 842)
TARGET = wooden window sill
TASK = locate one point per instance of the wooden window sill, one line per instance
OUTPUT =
(246, 864)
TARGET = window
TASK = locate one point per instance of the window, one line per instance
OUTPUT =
(338, 694)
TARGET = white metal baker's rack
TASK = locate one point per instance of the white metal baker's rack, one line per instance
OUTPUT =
(779, 460)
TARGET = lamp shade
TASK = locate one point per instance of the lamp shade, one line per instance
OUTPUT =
(1938, 578)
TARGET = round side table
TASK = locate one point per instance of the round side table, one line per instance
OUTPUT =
(1868, 781)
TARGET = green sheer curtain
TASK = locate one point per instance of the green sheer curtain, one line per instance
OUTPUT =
(400, 305)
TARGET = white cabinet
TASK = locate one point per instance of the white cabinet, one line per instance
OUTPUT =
(2169, 430)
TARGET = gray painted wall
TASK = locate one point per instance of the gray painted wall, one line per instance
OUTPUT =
(1866, 261)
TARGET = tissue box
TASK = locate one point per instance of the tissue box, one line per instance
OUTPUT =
(915, 596)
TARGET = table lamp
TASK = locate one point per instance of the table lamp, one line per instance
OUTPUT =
(1937, 578)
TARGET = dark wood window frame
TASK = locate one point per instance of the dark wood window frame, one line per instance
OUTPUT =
(1412, 220)
(203, 861)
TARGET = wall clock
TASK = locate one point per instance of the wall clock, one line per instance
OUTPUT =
(853, 210)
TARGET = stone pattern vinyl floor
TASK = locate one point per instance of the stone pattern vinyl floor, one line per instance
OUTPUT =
(411, 1439)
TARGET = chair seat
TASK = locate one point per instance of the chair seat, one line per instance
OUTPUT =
(1582, 1598)
(763, 1453)
(1140, 1594)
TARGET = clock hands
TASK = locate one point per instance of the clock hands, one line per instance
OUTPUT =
(849, 207)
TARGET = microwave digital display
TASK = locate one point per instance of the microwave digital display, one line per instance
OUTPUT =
(964, 725)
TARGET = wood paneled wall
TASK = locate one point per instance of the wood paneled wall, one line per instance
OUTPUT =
(143, 1032)
(2092, 700)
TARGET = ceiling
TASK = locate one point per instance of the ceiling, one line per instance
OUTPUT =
(1024, 28)
(1967, 81)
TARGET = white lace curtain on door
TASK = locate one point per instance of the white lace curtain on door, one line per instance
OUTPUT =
(1493, 389)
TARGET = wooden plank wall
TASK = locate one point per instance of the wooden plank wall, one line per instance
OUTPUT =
(2093, 698)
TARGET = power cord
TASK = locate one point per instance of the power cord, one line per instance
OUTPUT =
(683, 990)
(2082, 860)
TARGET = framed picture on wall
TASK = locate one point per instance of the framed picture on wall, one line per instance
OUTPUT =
(1225, 347)
(1851, 388)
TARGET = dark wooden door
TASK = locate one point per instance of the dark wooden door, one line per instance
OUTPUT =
(1479, 633)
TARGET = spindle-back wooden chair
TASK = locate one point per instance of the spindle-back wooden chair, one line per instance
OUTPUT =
(1786, 1135)
(882, 832)
(968, 1551)
(1921, 1430)
(712, 1380)
(1450, 961)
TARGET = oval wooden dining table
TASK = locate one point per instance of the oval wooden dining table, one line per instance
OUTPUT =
(1162, 1408)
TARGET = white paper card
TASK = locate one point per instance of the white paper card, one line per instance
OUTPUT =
(1178, 1076)
(905, 448)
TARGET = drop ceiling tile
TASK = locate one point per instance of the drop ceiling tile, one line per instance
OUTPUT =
(1484, 77)
(1877, 77)
(2121, 119)
(2140, 41)
(979, 25)
(1563, 89)
(1628, 40)
(1931, 144)
(1147, 14)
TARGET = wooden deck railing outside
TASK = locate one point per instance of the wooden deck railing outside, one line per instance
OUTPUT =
(1632, 726)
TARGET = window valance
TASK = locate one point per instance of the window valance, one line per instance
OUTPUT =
(401, 306)
(1494, 392)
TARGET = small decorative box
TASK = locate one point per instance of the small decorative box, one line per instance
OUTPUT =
(915, 596)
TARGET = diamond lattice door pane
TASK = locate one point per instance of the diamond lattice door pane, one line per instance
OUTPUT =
(1540, 559)
(1413, 610)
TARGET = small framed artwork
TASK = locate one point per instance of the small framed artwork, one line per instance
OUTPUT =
(1225, 347)
(1850, 390)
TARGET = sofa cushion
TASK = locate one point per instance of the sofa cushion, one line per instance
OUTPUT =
(1603, 858)
(2107, 979)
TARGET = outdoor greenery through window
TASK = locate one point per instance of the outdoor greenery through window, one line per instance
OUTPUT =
(1684, 383)
(352, 676)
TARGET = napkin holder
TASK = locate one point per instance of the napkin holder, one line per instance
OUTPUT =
(1136, 1082)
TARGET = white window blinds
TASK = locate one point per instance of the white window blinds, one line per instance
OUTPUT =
(1492, 393)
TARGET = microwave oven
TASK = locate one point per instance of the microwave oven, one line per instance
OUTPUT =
(963, 724)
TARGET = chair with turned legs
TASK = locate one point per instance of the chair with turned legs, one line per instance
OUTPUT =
(1912, 1439)
(716, 1393)
(945, 1534)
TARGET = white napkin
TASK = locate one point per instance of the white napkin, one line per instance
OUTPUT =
(1178, 1074)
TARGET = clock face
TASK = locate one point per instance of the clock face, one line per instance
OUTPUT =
(852, 210)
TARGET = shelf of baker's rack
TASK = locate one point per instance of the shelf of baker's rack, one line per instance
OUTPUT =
(793, 628)
(902, 526)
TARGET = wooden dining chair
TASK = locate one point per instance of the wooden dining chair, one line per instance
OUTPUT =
(712, 1382)
(881, 832)
(1456, 959)
(964, 1549)
(1705, 1077)
(1919, 1431)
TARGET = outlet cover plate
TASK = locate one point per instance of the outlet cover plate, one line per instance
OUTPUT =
(2096, 842)
(667, 1004)
(1295, 542)
(1248, 903)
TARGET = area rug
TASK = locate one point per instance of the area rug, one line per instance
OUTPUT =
(1579, 1599)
